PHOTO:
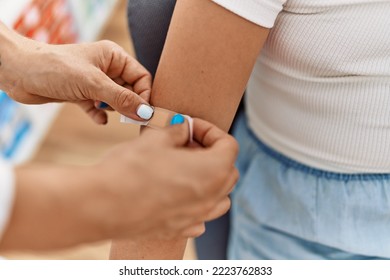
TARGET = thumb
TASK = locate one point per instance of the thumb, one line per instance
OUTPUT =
(125, 101)
(177, 135)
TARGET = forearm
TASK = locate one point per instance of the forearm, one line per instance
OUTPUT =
(8, 54)
(148, 249)
(205, 65)
(48, 210)
(7, 38)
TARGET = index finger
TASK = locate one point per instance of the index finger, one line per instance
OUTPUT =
(120, 66)
(138, 77)
(134, 74)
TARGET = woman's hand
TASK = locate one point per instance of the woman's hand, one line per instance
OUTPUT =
(34, 73)
(154, 186)
(176, 188)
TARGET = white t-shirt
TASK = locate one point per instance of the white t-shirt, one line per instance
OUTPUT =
(320, 90)
(7, 183)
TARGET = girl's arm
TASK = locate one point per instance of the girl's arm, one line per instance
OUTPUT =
(204, 68)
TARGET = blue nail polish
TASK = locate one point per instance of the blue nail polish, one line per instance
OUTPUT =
(103, 105)
(177, 119)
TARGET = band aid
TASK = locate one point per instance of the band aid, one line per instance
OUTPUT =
(191, 127)
(161, 118)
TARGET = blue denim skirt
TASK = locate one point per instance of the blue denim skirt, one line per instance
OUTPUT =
(283, 209)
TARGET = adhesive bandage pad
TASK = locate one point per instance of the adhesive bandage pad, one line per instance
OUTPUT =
(161, 118)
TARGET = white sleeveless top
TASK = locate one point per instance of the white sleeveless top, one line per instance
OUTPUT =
(320, 90)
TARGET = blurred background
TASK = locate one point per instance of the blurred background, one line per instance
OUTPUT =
(63, 133)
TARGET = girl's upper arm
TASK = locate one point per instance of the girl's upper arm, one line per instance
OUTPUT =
(206, 62)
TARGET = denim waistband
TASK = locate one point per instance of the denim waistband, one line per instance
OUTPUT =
(288, 162)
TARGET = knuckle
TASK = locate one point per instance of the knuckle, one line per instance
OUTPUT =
(236, 174)
(232, 145)
(235, 147)
(148, 76)
(107, 44)
(108, 48)
(224, 210)
(200, 231)
(227, 206)
(125, 100)
(196, 231)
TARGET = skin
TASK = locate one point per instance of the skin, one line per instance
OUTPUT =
(205, 65)
(155, 185)
(61, 206)
(83, 74)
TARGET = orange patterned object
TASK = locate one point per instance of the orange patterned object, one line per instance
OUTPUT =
(48, 21)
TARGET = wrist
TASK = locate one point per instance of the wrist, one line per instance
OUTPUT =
(80, 201)
(8, 39)
(19, 55)
(113, 205)
(49, 204)
(91, 200)
(97, 203)
(10, 44)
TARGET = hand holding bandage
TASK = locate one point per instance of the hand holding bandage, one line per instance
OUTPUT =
(196, 181)
(163, 118)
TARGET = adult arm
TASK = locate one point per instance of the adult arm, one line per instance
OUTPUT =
(204, 68)
(132, 192)
(33, 72)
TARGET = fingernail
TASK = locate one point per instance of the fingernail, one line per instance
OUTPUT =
(103, 105)
(177, 119)
(145, 112)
